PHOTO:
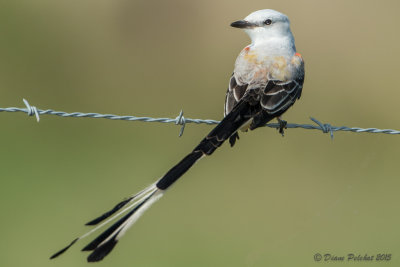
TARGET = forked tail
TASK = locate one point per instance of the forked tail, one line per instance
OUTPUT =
(126, 213)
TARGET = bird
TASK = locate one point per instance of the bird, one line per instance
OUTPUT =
(267, 79)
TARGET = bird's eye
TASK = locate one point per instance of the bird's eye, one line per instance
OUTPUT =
(267, 22)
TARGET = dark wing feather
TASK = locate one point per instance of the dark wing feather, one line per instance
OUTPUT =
(234, 93)
(278, 96)
(275, 98)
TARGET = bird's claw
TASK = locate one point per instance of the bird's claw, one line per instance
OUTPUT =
(233, 138)
(282, 126)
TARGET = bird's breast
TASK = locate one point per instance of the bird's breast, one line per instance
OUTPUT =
(254, 66)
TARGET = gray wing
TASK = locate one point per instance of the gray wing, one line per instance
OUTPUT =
(278, 96)
(273, 99)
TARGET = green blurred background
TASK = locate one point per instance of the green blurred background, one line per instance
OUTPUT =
(269, 201)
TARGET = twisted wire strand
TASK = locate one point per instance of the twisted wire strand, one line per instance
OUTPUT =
(181, 120)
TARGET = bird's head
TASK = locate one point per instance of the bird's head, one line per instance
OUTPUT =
(264, 24)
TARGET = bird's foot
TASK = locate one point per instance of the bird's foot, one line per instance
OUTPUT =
(282, 126)
(233, 138)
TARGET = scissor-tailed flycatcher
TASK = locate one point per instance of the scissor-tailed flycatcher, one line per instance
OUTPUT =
(267, 80)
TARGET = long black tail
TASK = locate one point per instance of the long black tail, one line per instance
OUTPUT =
(135, 205)
(228, 126)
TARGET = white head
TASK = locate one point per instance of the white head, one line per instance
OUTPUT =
(265, 24)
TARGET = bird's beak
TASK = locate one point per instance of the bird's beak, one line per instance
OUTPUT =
(243, 24)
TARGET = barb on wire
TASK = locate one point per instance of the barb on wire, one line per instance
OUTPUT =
(326, 128)
(31, 109)
(181, 120)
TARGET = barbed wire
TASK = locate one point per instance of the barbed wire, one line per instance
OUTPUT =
(181, 120)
